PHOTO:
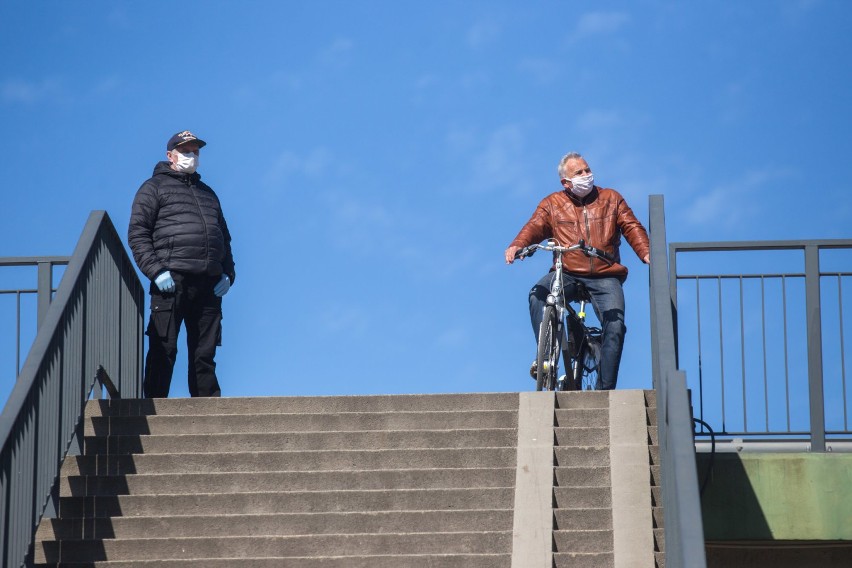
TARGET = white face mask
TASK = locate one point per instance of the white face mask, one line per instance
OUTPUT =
(186, 163)
(582, 185)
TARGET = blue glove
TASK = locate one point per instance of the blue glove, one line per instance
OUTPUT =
(165, 282)
(221, 288)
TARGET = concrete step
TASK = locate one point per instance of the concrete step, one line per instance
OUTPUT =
(657, 515)
(586, 541)
(250, 482)
(582, 519)
(298, 422)
(490, 560)
(321, 460)
(654, 453)
(581, 436)
(582, 476)
(656, 480)
(303, 405)
(275, 546)
(656, 497)
(288, 502)
(583, 560)
(581, 456)
(652, 436)
(582, 497)
(277, 524)
(652, 416)
(295, 441)
(582, 417)
(583, 399)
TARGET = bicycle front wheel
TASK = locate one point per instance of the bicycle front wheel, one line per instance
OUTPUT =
(549, 343)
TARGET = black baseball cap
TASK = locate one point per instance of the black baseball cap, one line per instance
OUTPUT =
(182, 138)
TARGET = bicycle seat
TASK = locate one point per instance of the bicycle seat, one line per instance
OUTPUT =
(582, 292)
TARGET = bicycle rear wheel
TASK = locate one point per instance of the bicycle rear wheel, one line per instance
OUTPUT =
(549, 344)
(589, 361)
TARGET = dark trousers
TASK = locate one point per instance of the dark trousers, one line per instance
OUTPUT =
(608, 302)
(194, 304)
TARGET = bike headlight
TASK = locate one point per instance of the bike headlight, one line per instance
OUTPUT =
(551, 299)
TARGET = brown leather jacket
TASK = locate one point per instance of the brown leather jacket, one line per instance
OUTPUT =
(600, 220)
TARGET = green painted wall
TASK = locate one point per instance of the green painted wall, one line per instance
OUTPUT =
(777, 496)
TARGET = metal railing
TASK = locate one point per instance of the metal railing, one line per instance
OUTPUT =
(92, 328)
(44, 292)
(684, 528)
(765, 367)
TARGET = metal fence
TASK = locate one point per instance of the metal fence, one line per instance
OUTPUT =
(93, 327)
(761, 334)
(43, 292)
(684, 528)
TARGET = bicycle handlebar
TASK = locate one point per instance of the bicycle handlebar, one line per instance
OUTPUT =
(553, 247)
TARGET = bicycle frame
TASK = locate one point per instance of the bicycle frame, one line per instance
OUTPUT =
(569, 325)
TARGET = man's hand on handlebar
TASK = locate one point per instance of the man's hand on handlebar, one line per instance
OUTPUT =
(510, 254)
(513, 253)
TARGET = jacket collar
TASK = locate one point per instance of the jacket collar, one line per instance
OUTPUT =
(590, 198)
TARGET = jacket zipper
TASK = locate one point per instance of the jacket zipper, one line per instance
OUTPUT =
(203, 220)
(588, 237)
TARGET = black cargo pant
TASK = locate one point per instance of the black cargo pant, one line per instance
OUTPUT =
(194, 304)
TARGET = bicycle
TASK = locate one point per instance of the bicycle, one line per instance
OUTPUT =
(581, 343)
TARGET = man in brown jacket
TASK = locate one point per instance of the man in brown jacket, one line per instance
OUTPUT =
(599, 216)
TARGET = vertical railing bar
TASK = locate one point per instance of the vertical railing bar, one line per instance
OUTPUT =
(17, 333)
(700, 369)
(763, 337)
(45, 285)
(743, 356)
(786, 349)
(842, 349)
(721, 353)
(814, 333)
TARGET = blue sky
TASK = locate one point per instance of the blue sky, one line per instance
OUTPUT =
(375, 158)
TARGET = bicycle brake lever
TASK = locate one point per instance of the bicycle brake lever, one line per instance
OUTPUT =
(526, 251)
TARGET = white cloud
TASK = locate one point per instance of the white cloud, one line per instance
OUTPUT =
(595, 119)
(727, 206)
(336, 53)
(289, 164)
(500, 161)
(29, 92)
(545, 71)
(483, 33)
(597, 23)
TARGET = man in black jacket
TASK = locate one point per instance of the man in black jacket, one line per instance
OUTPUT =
(180, 241)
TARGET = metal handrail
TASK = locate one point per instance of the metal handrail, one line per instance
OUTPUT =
(684, 529)
(92, 328)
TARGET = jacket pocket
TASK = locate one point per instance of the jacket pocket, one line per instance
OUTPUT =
(162, 312)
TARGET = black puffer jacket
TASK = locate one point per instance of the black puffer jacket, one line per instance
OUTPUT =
(177, 224)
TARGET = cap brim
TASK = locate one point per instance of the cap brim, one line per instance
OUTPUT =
(201, 143)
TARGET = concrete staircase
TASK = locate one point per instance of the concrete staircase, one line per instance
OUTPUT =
(363, 481)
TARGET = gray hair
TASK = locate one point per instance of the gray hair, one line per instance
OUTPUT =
(564, 160)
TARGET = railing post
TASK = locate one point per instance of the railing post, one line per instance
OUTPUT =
(45, 289)
(814, 330)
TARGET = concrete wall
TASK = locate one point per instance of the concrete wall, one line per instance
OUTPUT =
(778, 496)
(778, 510)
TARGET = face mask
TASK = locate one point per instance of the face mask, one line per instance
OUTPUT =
(582, 185)
(186, 163)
